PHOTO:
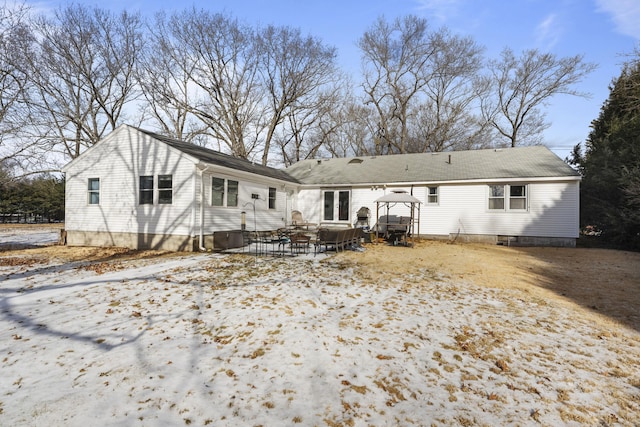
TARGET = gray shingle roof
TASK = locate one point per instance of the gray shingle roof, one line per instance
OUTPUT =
(505, 163)
(220, 159)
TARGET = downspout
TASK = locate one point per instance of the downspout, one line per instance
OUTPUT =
(192, 224)
(201, 239)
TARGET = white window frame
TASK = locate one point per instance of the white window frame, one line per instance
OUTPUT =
(507, 198)
(226, 193)
(163, 191)
(273, 196)
(142, 191)
(433, 198)
(91, 191)
(524, 198)
(336, 208)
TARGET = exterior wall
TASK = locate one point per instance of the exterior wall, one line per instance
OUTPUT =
(126, 154)
(118, 161)
(223, 218)
(119, 220)
(463, 210)
(309, 202)
(552, 216)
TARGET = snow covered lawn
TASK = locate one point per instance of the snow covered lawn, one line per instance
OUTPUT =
(231, 340)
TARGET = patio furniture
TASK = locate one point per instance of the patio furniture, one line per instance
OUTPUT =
(272, 242)
(299, 243)
(298, 222)
(398, 232)
(403, 227)
(336, 238)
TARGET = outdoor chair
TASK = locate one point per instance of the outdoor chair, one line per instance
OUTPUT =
(299, 243)
(297, 220)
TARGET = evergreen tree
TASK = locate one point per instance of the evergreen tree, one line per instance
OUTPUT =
(610, 191)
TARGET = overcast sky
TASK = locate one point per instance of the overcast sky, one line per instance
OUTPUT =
(602, 30)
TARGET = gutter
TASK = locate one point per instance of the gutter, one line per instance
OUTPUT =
(566, 178)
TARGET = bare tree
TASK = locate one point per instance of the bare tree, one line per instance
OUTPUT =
(221, 63)
(396, 67)
(15, 37)
(294, 70)
(445, 119)
(520, 86)
(352, 126)
(165, 71)
(314, 124)
(21, 148)
(82, 74)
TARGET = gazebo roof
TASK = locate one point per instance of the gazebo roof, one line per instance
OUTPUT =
(398, 197)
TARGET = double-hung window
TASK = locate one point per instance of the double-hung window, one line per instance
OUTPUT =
(165, 189)
(217, 191)
(272, 198)
(232, 193)
(516, 194)
(224, 192)
(146, 190)
(432, 195)
(517, 197)
(496, 197)
(93, 191)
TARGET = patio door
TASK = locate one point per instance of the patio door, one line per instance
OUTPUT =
(336, 205)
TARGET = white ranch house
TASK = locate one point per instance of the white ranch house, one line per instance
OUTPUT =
(140, 190)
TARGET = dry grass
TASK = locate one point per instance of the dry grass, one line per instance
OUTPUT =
(602, 282)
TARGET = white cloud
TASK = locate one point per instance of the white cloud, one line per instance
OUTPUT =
(548, 31)
(625, 15)
(441, 9)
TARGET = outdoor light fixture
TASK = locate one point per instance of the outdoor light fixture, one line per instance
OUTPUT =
(243, 220)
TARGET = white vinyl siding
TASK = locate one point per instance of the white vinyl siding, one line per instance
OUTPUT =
(552, 212)
(463, 208)
(228, 217)
(124, 156)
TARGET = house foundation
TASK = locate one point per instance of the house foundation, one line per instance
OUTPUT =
(137, 241)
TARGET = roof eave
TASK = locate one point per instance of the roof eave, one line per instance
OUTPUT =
(445, 182)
